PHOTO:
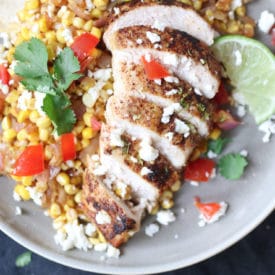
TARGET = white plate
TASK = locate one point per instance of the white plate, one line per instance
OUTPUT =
(251, 199)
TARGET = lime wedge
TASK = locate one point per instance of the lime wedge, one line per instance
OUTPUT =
(250, 66)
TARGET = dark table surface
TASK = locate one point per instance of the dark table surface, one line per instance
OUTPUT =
(254, 255)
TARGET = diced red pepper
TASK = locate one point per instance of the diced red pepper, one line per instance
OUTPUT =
(222, 97)
(153, 69)
(199, 170)
(68, 147)
(83, 45)
(30, 162)
(273, 36)
(96, 125)
(4, 75)
(208, 210)
(225, 120)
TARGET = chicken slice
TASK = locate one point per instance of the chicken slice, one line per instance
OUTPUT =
(174, 138)
(115, 220)
(148, 179)
(183, 55)
(160, 14)
(130, 80)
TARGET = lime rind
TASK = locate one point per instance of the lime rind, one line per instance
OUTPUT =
(254, 77)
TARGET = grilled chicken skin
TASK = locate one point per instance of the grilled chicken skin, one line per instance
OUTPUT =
(185, 56)
(148, 179)
(143, 119)
(115, 220)
(131, 80)
(159, 14)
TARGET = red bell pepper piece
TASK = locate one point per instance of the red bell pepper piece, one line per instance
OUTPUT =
(208, 210)
(68, 147)
(83, 45)
(199, 170)
(4, 75)
(222, 98)
(153, 69)
(30, 162)
(96, 125)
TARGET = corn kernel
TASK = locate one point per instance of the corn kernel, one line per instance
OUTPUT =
(167, 204)
(32, 4)
(154, 210)
(76, 180)
(85, 143)
(41, 186)
(96, 13)
(88, 26)
(11, 98)
(96, 32)
(16, 178)
(34, 115)
(96, 53)
(88, 133)
(101, 4)
(9, 135)
(27, 181)
(63, 178)
(166, 195)
(87, 119)
(78, 22)
(215, 134)
(6, 123)
(44, 134)
(43, 25)
(71, 214)
(176, 186)
(43, 122)
(94, 241)
(241, 11)
(70, 203)
(78, 197)
(70, 189)
(22, 135)
(55, 210)
(25, 33)
(60, 37)
(23, 115)
(67, 18)
(22, 192)
(101, 237)
(233, 27)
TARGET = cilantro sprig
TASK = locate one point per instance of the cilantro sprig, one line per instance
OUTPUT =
(216, 146)
(231, 166)
(32, 66)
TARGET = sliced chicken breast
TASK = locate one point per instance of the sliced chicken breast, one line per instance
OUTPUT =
(174, 138)
(130, 80)
(115, 220)
(183, 55)
(159, 14)
(148, 179)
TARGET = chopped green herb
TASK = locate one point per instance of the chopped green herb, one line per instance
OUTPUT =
(201, 107)
(140, 161)
(216, 146)
(23, 259)
(183, 103)
(180, 91)
(231, 166)
(126, 147)
(32, 66)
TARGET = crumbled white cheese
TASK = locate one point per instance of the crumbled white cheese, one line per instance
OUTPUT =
(194, 183)
(16, 197)
(241, 110)
(68, 36)
(182, 128)
(171, 92)
(171, 79)
(139, 41)
(89, 229)
(24, 100)
(169, 136)
(153, 37)
(169, 111)
(116, 10)
(89, 5)
(239, 98)
(101, 74)
(266, 21)
(102, 217)
(244, 153)
(157, 81)
(211, 154)
(72, 235)
(151, 229)
(172, 60)
(157, 46)
(115, 138)
(4, 88)
(95, 157)
(147, 152)
(100, 247)
(159, 25)
(133, 159)
(147, 57)
(110, 92)
(39, 98)
(5, 40)
(112, 252)
(122, 186)
(100, 170)
(50, 10)
(235, 4)
(61, 11)
(165, 217)
(35, 195)
(238, 57)
(18, 211)
(145, 171)
(221, 212)
(268, 127)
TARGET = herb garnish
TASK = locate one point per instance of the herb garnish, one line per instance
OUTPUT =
(216, 146)
(32, 66)
(23, 259)
(231, 166)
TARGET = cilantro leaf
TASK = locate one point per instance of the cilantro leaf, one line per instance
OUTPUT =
(216, 146)
(32, 66)
(231, 166)
(58, 110)
(23, 259)
(66, 67)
